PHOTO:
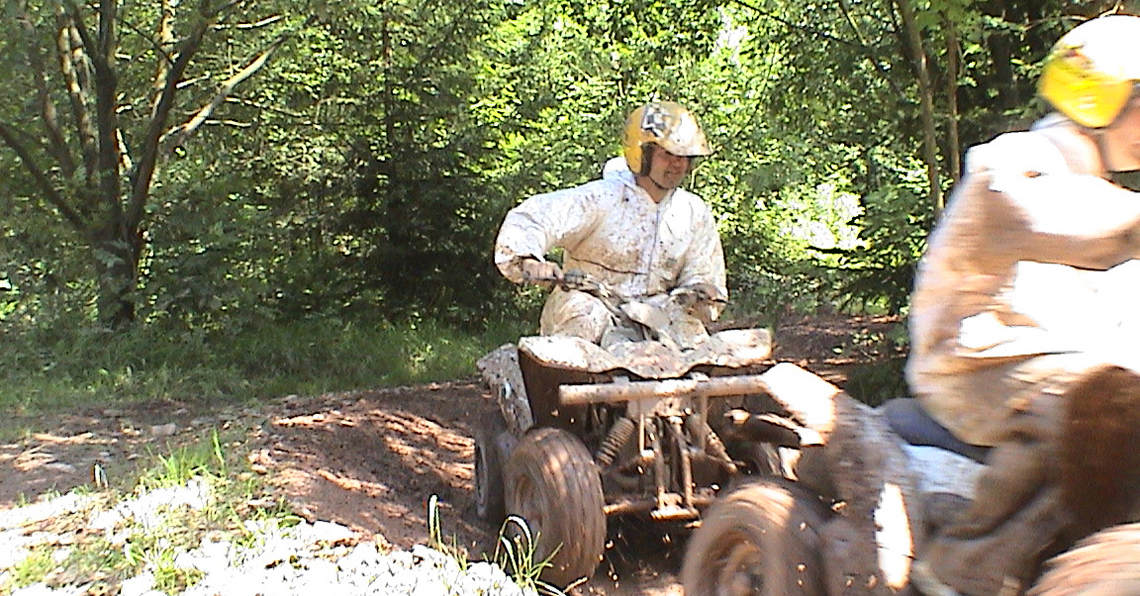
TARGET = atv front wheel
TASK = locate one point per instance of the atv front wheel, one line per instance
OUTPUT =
(1104, 564)
(489, 500)
(761, 539)
(553, 484)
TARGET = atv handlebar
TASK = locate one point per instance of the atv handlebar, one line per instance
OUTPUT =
(584, 282)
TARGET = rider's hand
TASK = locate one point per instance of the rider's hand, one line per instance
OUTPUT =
(701, 300)
(698, 293)
(541, 272)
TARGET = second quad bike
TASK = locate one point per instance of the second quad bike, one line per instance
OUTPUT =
(857, 506)
(585, 431)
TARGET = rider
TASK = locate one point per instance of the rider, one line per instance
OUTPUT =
(1011, 308)
(634, 230)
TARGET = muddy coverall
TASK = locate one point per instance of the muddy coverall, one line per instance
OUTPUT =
(612, 230)
(1023, 289)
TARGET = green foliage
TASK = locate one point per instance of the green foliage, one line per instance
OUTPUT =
(363, 173)
(875, 383)
(880, 273)
(101, 86)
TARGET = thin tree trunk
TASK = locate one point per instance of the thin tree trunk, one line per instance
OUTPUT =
(953, 52)
(117, 251)
(113, 241)
(926, 97)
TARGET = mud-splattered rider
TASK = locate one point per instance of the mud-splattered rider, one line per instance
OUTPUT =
(636, 230)
(1028, 287)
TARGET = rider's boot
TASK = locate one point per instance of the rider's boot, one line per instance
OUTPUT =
(1016, 514)
(999, 563)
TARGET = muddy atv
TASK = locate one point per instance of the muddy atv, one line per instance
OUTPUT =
(585, 432)
(852, 512)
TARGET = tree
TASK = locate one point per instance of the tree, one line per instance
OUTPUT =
(368, 166)
(884, 95)
(106, 80)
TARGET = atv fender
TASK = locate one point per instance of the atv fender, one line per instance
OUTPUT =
(501, 372)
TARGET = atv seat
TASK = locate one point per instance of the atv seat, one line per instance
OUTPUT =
(913, 424)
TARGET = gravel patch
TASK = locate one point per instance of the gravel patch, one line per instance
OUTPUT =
(303, 559)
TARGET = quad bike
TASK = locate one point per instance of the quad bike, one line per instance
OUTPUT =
(860, 502)
(588, 431)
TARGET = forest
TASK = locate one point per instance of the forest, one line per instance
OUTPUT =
(212, 168)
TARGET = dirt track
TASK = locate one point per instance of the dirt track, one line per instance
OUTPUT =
(373, 460)
(368, 459)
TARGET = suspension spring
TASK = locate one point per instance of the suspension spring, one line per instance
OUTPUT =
(619, 433)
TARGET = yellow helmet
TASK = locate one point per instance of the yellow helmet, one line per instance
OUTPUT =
(665, 124)
(1091, 71)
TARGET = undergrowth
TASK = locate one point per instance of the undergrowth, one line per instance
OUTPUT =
(55, 368)
(515, 552)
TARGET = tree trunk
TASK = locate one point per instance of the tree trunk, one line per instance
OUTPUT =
(116, 250)
(953, 51)
(926, 97)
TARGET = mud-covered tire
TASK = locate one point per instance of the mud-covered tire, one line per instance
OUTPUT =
(490, 503)
(761, 539)
(1106, 563)
(553, 484)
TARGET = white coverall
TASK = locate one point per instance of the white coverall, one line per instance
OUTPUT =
(1023, 264)
(612, 230)
(1028, 285)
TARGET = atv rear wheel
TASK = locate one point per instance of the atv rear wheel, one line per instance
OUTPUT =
(489, 499)
(552, 483)
(761, 539)
(1104, 564)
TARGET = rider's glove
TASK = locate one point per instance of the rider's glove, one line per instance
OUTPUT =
(701, 300)
(698, 293)
(540, 272)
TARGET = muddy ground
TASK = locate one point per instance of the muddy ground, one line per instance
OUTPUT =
(372, 459)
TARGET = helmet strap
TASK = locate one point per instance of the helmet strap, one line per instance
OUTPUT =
(647, 150)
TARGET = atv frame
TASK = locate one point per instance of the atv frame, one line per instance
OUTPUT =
(584, 432)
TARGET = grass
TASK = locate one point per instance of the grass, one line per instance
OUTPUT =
(228, 498)
(187, 462)
(58, 369)
(515, 551)
(32, 569)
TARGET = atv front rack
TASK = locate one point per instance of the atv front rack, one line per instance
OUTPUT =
(695, 386)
